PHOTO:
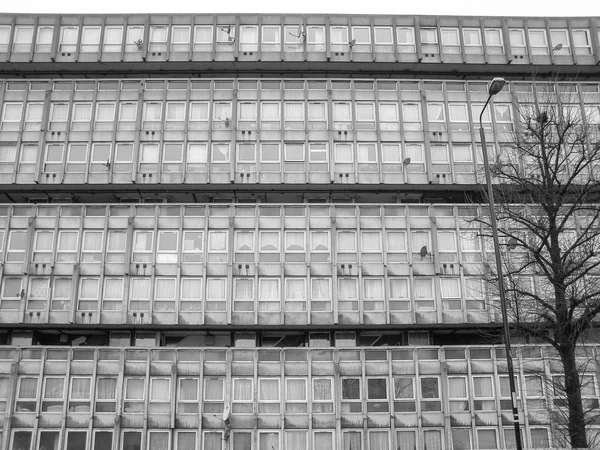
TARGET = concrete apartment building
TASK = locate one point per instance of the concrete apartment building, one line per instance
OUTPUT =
(255, 232)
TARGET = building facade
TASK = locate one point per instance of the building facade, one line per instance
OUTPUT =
(256, 232)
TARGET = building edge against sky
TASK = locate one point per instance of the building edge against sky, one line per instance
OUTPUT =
(256, 231)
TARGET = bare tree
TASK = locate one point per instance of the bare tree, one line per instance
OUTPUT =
(546, 173)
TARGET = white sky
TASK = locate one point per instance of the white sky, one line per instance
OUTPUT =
(543, 8)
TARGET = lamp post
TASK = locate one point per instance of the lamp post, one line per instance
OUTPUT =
(495, 87)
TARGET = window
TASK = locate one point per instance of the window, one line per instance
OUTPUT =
(132, 440)
(115, 247)
(193, 246)
(295, 396)
(436, 116)
(88, 294)
(215, 294)
(317, 115)
(388, 117)
(430, 394)
(271, 38)
(11, 116)
(27, 395)
(483, 393)
(503, 117)
(242, 401)
(365, 116)
(133, 399)
(113, 39)
(22, 39)
(362, 39)
(191, 294)
(167, 247)
(152, 116)
(59, 113)
(53, 394)
(342, 116)
(203, 36)
(243, 296)
(180, 38)
(294, 116)
(248, 38)
(399, 295)
(175, 116)
(158, 38)
(315, 39)
(351, 395)
(322, 395)
(4, 38)
(295, 294)
(320, 294)
(404, 395)
(105, 116)
(68, 39)
(339, 38)
(112, 299)
(472, 40)
(48, 439)
(33, 116)
(411, 116)
(127, 116)
(347, 294)
(534, 392)
(142, 246)
(198, 118)
(61, 294)
(76, 440)
(517, 41)
(450, 41)
(90, 39)
(461, 439)
(268, 396)
(487, 438)
(139, 298)
(160, 396)
(384, 39)
(377, 395)
(38, 293)
(187, 397)
(581, 41)
(42, 246)
(459, 118)
(493, 41)
(294, 37)
(80, 394)
(406, 40)
(429, 40)
(540, 437)
(560, 37)
(164, 294)
(269, 297)
(538, 42)
(270, 118)
(225, 34)
(67, 246)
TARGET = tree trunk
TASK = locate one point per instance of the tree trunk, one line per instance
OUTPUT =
(576, 425)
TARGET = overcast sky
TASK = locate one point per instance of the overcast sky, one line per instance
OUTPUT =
(544, 8)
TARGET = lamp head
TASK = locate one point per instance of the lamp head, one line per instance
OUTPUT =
(496, 85)
(557, 47)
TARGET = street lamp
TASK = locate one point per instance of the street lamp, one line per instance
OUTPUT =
(496, 86)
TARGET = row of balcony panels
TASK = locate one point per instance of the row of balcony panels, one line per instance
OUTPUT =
(277, 301)
(139, 38)
(266, 240)
(273, 389)
(348, 439)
